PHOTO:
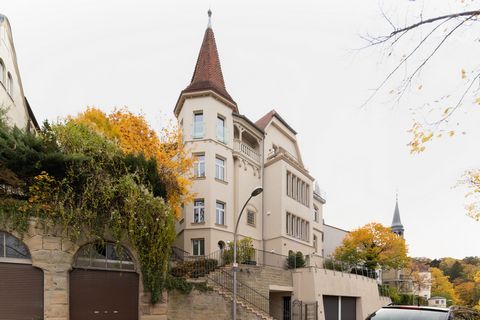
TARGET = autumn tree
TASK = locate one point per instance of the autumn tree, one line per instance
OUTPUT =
(441, 286)
(135, 136)
(411, 45)
(373, 246)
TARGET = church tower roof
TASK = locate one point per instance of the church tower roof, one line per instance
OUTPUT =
(208, 71)
(397, 225)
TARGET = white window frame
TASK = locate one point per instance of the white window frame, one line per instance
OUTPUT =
(198, 127)
(199, 211)
(316, 213)
(200, 247)
(220, 168)
(199, 165)
(221, 128)
(220, 213)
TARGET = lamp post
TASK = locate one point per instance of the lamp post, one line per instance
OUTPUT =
(254, 193)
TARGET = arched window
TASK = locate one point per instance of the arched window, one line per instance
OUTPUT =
(106, 256)
(2, 72)
(13, 249)
(9, 83)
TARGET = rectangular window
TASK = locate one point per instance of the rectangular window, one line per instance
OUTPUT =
(221, 129)
(315, 214)
(288, 223)
(298, 189)
(220, 213)
(220, 168)
(199, 166)
(251, 218)
(198, 211)
(315, 243)
(198, 247)
(289, 184)
(198, 125)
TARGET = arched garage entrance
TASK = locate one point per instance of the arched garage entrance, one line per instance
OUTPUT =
(103, 284)
(21, 284)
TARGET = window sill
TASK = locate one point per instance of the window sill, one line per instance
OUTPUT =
(221, 225)
(221, 181)
(200, 178)
(251, 225)
(197, 223)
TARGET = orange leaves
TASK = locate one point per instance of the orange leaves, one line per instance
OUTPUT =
(135, 136)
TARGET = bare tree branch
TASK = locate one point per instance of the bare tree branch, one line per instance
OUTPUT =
(469, 14)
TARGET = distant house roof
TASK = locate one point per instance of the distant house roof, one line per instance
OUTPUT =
(436, 297)
(265, 120)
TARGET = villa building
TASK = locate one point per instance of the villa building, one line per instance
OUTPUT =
(234, 155)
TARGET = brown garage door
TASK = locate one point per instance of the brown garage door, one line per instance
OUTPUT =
(21, 292)
(103, 295)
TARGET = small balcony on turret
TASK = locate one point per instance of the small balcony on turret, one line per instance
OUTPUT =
(246, 145)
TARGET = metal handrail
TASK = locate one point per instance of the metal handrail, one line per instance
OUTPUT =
(244, 292)
(209, 266)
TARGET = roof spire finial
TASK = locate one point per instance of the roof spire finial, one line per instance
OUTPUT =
(209, 12)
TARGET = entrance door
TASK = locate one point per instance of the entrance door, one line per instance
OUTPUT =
(287, 310)
(103, 295)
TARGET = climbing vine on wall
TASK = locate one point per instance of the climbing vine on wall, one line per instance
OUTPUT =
(83, 178)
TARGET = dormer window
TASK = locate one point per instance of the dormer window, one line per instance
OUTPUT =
(198, 125)
(221, 129)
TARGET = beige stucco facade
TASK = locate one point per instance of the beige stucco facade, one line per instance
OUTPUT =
(253, 157)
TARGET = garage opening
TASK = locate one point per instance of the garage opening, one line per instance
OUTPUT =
(340, 308)
(21, 284)
(103, 284)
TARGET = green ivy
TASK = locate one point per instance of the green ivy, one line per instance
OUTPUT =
(72, 177)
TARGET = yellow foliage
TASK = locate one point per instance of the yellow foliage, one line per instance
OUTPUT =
(441, 286)
(134, 136)
(372, 246)
(420, 137)
(477, 101)
(463, 73)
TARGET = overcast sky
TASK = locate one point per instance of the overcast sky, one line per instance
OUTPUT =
(299, 57)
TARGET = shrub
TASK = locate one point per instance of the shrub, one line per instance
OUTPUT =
(295, 260)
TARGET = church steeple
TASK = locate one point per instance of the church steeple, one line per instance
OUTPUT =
(208, 74)
(397, 226)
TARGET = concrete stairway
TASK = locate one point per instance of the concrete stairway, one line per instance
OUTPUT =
(221, 282)
(240, 302)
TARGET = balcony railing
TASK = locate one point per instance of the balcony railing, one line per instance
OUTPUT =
(246, 150)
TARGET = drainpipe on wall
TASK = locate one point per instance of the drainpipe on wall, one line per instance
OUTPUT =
(263, 195)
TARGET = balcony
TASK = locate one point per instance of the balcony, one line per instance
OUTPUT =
(246, 151)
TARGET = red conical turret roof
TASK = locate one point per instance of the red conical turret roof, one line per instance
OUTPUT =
(208, 71)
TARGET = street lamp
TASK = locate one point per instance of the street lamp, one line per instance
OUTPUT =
(254, 193)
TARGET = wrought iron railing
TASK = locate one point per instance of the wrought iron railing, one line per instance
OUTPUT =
(245, 293)
(210, 266)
